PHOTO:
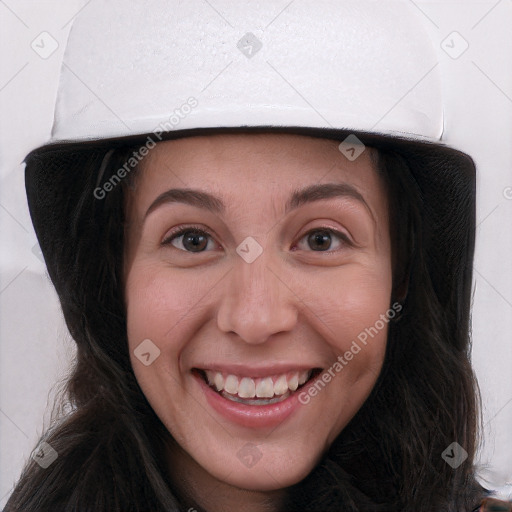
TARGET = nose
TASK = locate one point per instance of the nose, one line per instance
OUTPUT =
(257, 302)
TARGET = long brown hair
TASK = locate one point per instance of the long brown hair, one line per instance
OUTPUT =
(110, 444)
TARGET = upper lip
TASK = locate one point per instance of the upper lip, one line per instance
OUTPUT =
(257, 370)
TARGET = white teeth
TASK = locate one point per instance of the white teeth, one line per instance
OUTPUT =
(246, 388)
(265, 388)
(209, 376)
(231, 384)
(293, 381)
(303, 377)
(281, 385)
(218, 381)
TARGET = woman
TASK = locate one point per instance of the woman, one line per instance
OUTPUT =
(223, 360)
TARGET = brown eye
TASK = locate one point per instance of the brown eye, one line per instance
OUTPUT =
(192, 240)
(322, 239)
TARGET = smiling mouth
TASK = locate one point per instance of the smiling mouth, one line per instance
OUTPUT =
(257, 391)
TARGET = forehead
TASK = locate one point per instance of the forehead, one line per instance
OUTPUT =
(245, 169)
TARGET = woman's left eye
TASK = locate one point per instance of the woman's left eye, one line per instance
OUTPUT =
(320, 239)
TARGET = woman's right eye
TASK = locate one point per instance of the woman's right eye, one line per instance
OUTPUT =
(190, 239)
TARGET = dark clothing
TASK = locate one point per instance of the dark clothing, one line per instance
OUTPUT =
(494, 505)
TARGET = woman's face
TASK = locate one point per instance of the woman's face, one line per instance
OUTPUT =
(282, 279)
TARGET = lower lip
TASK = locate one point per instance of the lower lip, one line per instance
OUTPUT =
(253, 416)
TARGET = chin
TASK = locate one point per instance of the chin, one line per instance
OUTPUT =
(274, 471)
(265, 480)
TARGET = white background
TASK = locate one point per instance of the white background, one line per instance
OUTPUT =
(35, 348)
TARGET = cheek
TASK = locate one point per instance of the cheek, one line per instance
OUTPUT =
(163, 306)
(353, 313)
(154, 309)
(351, 299)
(158, 299)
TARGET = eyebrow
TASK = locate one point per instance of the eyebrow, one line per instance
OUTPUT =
(298, 198)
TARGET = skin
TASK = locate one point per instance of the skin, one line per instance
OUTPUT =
(292, 304)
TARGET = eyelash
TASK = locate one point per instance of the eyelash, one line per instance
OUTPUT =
(182, 230)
